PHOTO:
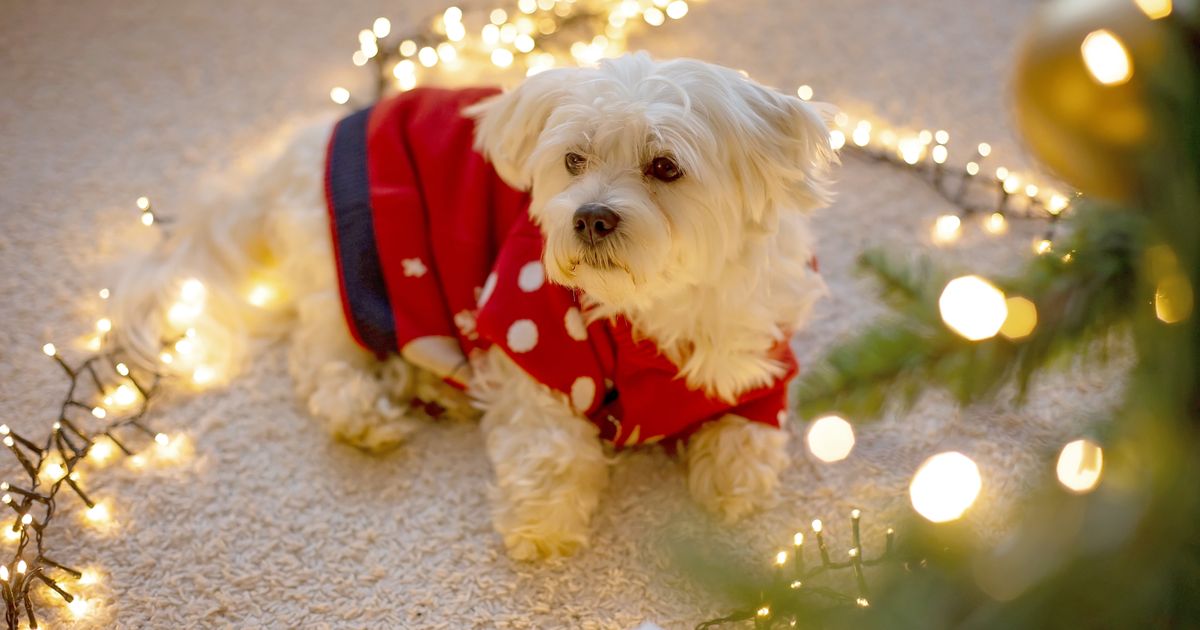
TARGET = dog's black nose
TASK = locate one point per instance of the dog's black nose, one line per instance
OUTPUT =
(594, 221)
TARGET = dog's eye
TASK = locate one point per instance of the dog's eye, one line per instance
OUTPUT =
(664, 169)
(575, 163)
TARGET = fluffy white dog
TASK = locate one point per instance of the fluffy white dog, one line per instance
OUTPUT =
(671, 199)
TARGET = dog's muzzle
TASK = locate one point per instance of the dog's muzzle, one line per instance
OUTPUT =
(594, 222)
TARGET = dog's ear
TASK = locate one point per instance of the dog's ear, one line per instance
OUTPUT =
(788, 154)
(507, 126)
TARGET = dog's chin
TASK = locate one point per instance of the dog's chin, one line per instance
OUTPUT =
(602, 276)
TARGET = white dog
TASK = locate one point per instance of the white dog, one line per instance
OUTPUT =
(666, 205)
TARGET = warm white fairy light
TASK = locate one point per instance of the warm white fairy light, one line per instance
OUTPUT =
(941, 136)
(862, 134)
(408, 48)
(984, 149)
(166, 358)
(88, 577)
(947, 228)
(502, 58)
(527, 6)
(1080, 464)
(99, 412)
(125, 396)
(103, 325)
(677, 9)
(805, 92)
(98, 513)
(1031, 191)
(817, 526)
(764, 611)
(101, 451)
(448, 53)
(1154, 9)
(911, 150)
(1021, 318)
(1002, 173)
(837, 139)
(382, 27)
(781, 558)
(1057, 204)
(972, 307)
(972, 169)
(1106, 58)
(995, 223)
(1012, 183)
(203, 375)
(1042, 246)
(427, 56)
(49, 350)
(339, 95)
(945, 486)
(260, 295)
(830, 438)
(939, 153)
(104, 293)
(78, 607)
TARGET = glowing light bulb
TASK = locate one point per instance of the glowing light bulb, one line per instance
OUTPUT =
(862, 133)
(455, 31)
(1042, 246)
(972, 307)
(805, 92)
(972, 169)
(798, 539)
(984, 149)
(502, 58)
(161, 439)
(837, 139)
(925, 137)
(452, 15)
(940, 153)
(527, 6)
(1154, 9)
(104, 293)
(841, 119)
(122, 369)
(995, 223)
(192, 291)
(100, 452)
(4, 573)
(203, 375)
(408, 48)
(26, 518)
(339, 95)
(88, 577)
(945, 486)
(765, 611)
(523, 43)
(911, 150)
(1031, 191)
(781, 558)
(49, 350)
(947, 228)
(1057, 204)
(78, 607)
(1079, 466)
(98, 513)
(1012, 183)
(125, 396)
(143, 203)
(677, 9)
(382, 27)
(856, 514)
(941, 136)
(103, 325)
(448, 53)
(166, 358)
(184, 346)
(1106, 58)
(427, 56)
(1173, 298)
(1021, 319)
(862, 602)
(654, 16)
(830, 438)
(498, 16)
(1002, 173)
(359, 58)
(817, 526)
(22, 566)
(147, 218)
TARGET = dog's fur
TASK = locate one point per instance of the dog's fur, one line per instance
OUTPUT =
(712, 267)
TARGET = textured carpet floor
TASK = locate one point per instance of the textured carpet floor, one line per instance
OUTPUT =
(270, 524)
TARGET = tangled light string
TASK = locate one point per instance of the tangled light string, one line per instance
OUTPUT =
(792, 594)
(53, 462)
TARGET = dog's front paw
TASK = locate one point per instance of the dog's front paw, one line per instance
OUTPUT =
(356, 408)
(543, 536)
(734, 466)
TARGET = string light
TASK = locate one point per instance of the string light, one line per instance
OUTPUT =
(945, 486)
(1042, 246)
(1079, 466)
(947, 228)
(1106, 58)
(1154, 9)
(830, 438)
(805, 92)
(49, 350)
(984, 149)
(339, 95)
(677, 9)
(996, 223)
(1021, 319)
(837, 139)
(973, 307)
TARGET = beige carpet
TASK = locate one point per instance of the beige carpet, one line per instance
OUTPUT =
(271, 524)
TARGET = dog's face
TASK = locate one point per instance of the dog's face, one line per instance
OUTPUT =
(646, 175)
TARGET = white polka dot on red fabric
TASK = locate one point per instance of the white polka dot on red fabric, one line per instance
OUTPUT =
(575, 326)
(489, 286)
(583, 392)
(531, 277)
(522, 336)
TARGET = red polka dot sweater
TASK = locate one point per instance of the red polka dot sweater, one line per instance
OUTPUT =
(437, 258)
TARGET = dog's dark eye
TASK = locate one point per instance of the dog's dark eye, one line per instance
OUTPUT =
(664, 169)
(575, 163)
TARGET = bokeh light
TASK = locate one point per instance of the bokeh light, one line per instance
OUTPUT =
(1079, 466)
(830, 438)
(973, 307)
(945, 486)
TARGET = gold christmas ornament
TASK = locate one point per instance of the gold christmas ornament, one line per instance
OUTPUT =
(1080, 91)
